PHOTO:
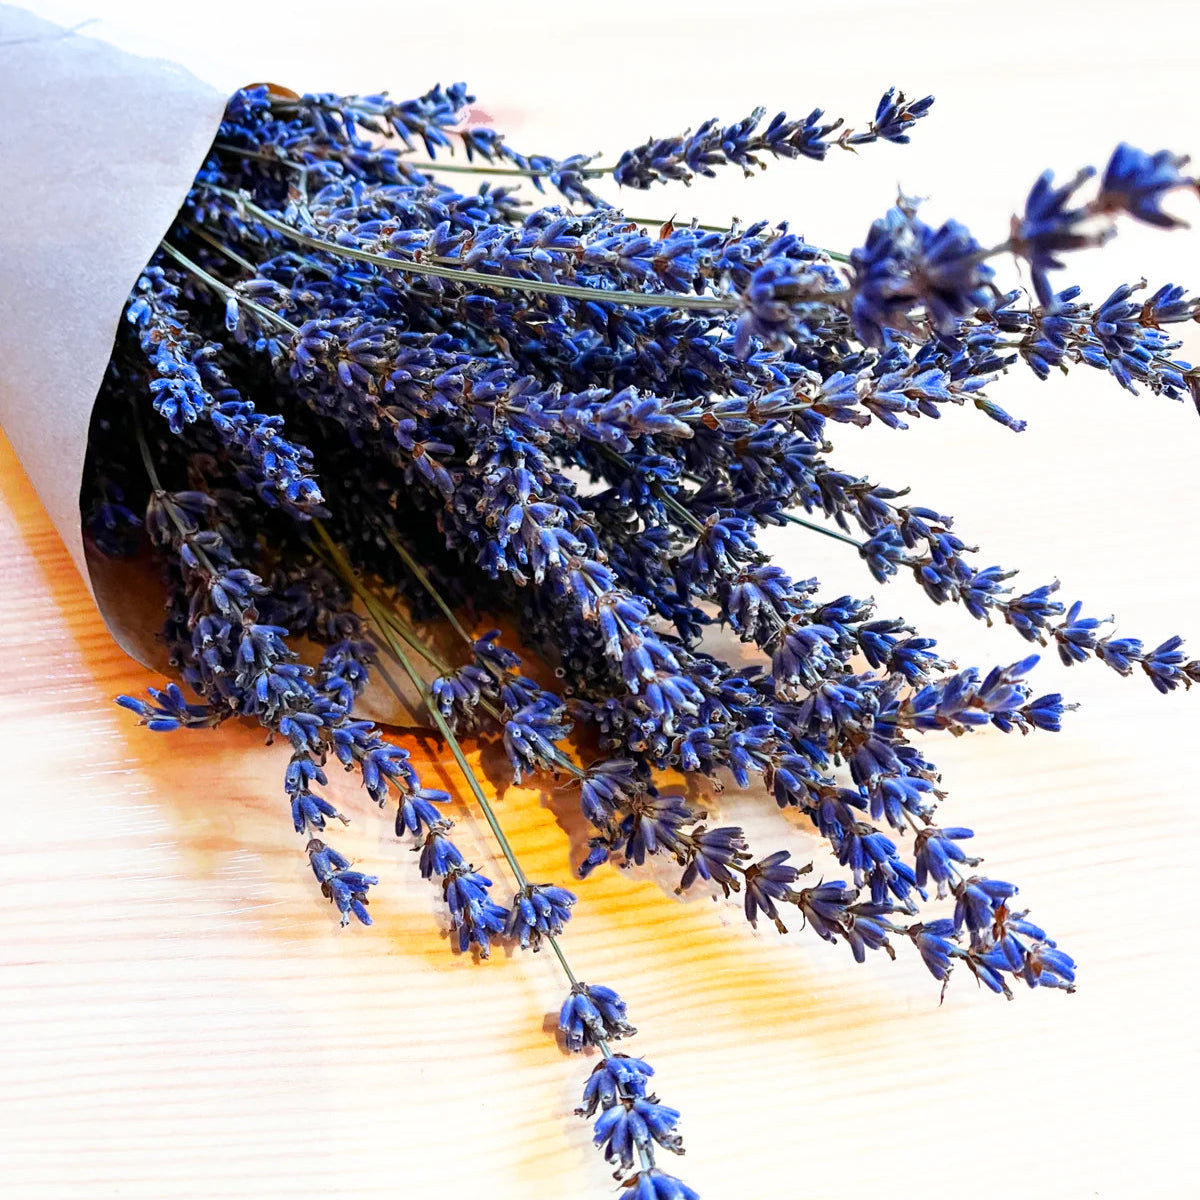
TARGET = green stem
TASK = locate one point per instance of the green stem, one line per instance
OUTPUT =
(205, 236)
(443, 727)
(423, 579)
(486, 168)
(144, 448)
(447, 733)
(668, 500)
(482, 279)
(831, 533)
(223, 289)
(259, 156)
(331, 552)
(497, 829)
(246, 265)
(440, 665)
(168, 503)
(381, 614)
(849, 541)
(682, 513)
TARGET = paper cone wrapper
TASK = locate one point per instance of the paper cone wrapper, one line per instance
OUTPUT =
(98, 148)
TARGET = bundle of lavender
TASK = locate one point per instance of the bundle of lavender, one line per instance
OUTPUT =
(349, 396)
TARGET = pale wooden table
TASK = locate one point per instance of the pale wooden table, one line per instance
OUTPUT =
(181, 1017)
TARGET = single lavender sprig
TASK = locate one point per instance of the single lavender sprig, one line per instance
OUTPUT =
(631, 1122)
(660, 160)
(682, 158)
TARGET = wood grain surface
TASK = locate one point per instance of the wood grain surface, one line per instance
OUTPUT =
(180, 1015)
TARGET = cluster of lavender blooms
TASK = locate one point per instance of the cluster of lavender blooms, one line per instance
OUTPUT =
(348, 396)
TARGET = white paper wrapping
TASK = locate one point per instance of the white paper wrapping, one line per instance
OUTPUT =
(97, 150)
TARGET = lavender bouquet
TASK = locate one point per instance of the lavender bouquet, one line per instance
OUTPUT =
(350, 400)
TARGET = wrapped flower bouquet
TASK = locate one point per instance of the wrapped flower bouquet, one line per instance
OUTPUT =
(366, 403)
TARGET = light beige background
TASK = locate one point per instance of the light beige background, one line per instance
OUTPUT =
(179, 1015)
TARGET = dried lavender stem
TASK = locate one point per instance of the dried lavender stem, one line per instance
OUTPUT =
(482, 279)
(382, 623)
(423, 579)
(224, 290)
